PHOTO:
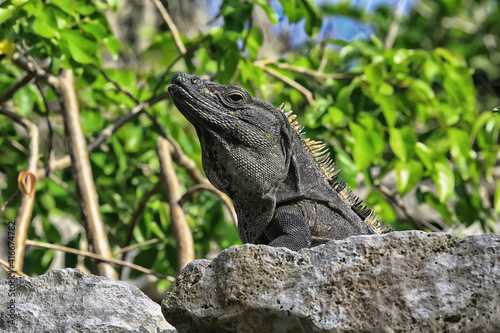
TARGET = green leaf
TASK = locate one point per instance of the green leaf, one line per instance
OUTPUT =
(423, 90)
(374, 74)
(92, 120)
(444, 179)
(452, 57)
(227, 66)
(363, 150)
(95, 28)
(334, 116)
(113, 4)
(268, 9)
(344, 162)
(459, 149)
(113, 45)
(6, 13)
(82, 49)
(134, 139)
(388, 105)
(408, 174)
(402, 142)
(385, 89)
(45, 24)
(496, 203)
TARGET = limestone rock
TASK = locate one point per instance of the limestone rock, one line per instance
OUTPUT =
(67, 300)
(400, 282)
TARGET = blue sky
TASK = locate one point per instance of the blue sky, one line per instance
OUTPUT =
(340, 27)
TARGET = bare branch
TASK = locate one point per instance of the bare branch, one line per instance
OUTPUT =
(307, 71)
(98, 257)
(27, 201)
(6, 267)
(82, 174)
(118, 87)
(33, 68)
(182, 233)
(421, 224)
(393, 29)
(137, 245)
(12, 90)
(303, 90)
(171, 26)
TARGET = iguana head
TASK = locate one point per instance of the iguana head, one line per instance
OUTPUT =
(229, 111)
(241, 136)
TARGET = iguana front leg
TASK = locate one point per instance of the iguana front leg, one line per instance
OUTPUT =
(288, 228)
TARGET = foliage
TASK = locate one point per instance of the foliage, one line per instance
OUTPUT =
(417, 111)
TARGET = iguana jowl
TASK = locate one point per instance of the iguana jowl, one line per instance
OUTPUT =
(283, 186)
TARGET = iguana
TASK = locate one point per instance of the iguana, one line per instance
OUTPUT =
(283, 186)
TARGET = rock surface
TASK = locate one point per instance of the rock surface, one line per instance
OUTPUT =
(400, 282)
(67, 300)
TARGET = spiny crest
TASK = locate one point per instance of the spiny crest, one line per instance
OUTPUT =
(317, 148)
(321, 155)
(356, 204)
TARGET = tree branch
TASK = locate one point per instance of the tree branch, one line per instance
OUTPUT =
(12, 90)
(182, 233)
(82, 174)
(171, 26)
(98, 257)
(27, 200)
(393, 29)
(303, 90)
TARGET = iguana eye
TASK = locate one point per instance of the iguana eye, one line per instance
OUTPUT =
(235, 97)
(194, 80)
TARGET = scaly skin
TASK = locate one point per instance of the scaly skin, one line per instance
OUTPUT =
(252, 151)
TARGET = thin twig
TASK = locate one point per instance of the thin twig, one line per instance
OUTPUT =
(303, 90)
(306, 71)
(6, 267)
(210, 188)
(398, 203)
(137, 245)
(27, 200)
(63, 185)
(171, 26)
(118, 87)
(12, 90)
(9, 200)
(98, 257)
(47, 119)
(393, 29)
(182, 233)
(32, 67)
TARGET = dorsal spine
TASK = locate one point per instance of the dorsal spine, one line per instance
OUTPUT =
(321, 156)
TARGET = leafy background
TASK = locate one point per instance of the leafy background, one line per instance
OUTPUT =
(402, 92)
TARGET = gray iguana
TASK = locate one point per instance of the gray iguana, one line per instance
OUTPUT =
(283, 186)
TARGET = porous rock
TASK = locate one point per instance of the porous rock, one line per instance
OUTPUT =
(67, 300)
(400, 282)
